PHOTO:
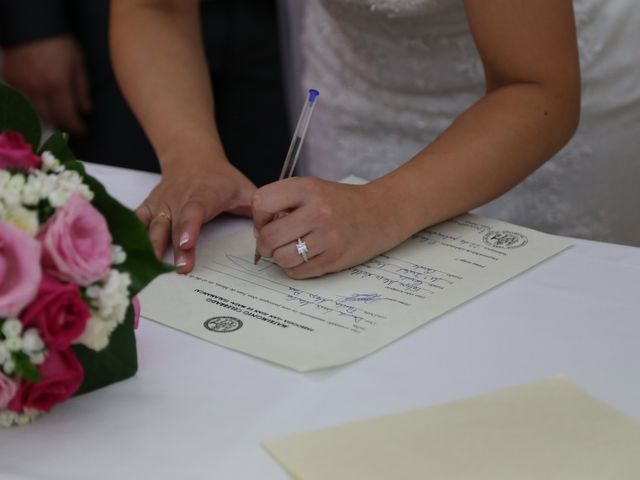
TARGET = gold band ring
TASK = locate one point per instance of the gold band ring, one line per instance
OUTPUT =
(163, 216)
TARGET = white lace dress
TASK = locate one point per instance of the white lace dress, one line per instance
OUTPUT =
(393, 74)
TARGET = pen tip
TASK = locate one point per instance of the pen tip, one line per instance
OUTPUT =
(256, 258)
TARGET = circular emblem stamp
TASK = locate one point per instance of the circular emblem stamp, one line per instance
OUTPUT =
(505, 239)
(223, 324)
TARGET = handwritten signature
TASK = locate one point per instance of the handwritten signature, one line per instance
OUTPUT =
(361, 297)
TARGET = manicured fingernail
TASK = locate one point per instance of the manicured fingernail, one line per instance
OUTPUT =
(184, 238)
(181, 261)
(255, 232)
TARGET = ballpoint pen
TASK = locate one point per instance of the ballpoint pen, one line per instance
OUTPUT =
(296, 145)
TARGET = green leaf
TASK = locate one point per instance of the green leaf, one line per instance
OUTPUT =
(115, 363)
(57, 145)
(18, 115)
(25, 367)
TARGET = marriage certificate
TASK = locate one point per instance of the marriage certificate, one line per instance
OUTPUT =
(332, 320)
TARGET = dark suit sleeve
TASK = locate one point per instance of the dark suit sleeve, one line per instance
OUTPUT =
(23, 21)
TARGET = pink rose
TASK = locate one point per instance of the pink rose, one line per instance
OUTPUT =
(58, 313)
(20, 270)
(76, 243)
(8, 389)
(136, 312)
(16, 153)
(61, 375)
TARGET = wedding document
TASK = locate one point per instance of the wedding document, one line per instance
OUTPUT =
(548, 430)
(338, 318)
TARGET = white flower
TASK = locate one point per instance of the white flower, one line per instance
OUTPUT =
(5, 176)
(9, 418)
(50, 162)
(9, 366)
(12, 190)
(16, 182)
(86, 192)
(48, 184)
(13, 344)
(31, 341)
(4, 354)
(57, 189)
(118, 255)
(36, 358)
(23, 218)
(11, 195)
(33, 346)
(69, 180)
(58, 198)
(112, 301)
(12, 328)
(96, 335)
(23, 420)
(31, 189)
(30, 195)
(93, 292)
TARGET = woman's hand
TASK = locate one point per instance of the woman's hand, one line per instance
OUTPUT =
(188, 196)
(342, 225)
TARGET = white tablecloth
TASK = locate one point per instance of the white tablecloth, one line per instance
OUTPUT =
(196, 410)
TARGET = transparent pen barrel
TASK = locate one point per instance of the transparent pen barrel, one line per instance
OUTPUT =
(298, 136)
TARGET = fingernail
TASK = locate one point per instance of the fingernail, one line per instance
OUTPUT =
(184, 238)
(181, 261)
(255, 232)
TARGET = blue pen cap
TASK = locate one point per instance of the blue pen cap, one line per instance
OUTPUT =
(313, 94)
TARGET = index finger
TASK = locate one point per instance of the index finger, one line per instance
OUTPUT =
(279, 197)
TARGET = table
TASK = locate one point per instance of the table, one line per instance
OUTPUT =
(196, 410)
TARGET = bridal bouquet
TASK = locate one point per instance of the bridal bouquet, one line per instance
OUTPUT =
(72, 260)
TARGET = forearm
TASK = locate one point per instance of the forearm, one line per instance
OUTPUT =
(489, 149)
(159, 61)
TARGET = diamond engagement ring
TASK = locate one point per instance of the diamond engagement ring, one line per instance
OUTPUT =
(302, 249)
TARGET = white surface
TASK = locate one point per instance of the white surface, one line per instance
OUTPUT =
(196, 410)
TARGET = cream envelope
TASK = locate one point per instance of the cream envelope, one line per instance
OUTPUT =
(550, 430)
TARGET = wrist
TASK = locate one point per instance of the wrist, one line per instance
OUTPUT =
(402, 208)
(191, 152)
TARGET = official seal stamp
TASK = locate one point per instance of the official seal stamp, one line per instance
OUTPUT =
(223, 324)
(505, 239)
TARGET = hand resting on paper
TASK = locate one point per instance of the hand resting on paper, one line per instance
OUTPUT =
(190, 194)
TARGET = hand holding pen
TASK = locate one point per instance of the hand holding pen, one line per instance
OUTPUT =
(291, 159)
(311, 227)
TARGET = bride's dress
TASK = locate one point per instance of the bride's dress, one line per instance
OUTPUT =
(393, 74)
